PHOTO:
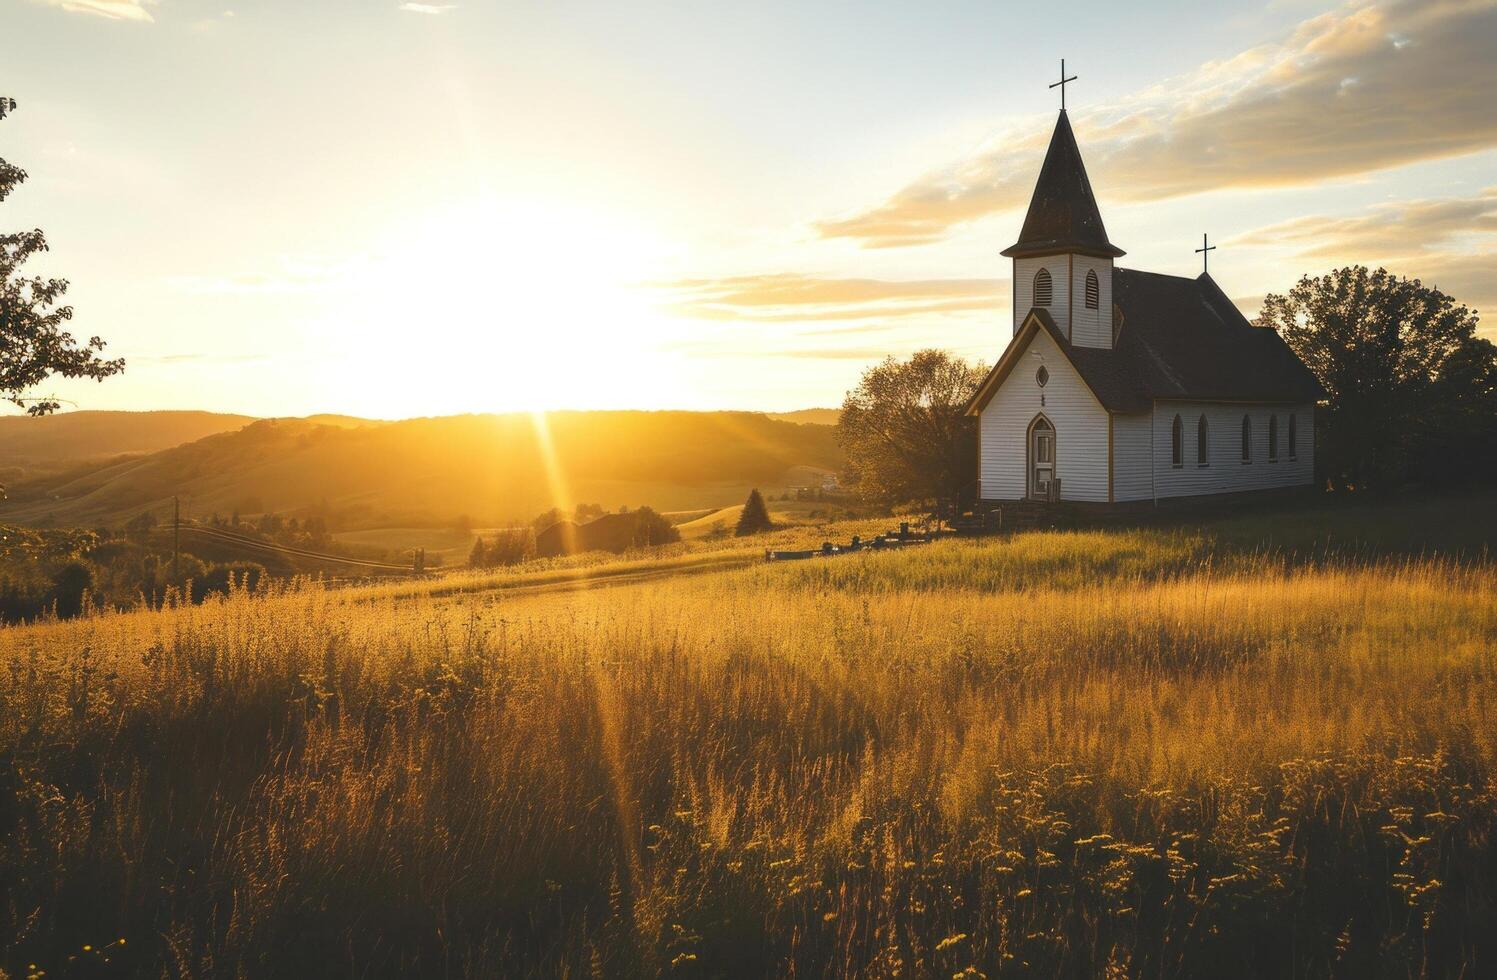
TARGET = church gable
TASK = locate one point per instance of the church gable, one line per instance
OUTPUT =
(1042, 389)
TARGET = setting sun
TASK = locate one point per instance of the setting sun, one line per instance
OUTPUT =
(507, 306)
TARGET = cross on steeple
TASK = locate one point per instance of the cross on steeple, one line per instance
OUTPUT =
(1062, 84)
(1204, 252)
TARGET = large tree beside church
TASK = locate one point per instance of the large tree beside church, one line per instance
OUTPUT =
(1412, 390)
(902, 427)
(33, 344)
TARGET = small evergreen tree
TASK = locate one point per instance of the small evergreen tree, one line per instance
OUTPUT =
(755, 516)
(479, 556)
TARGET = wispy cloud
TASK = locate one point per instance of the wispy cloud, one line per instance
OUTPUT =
(292, 276)
(792, 297)
(196, 358)
(1402, 228)
(1447, 242)
(428, 8)
(137, 10)
(778, 348)
(1368, 86)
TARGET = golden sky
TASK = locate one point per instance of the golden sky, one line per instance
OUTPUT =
(393, 209)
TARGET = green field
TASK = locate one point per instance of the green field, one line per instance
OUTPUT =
(1252, 747)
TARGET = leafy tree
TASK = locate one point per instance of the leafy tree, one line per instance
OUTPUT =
(904, 432)
(755, 516)
(1412, 390)
(139, 528)
(33, 345)
(553, 516)
(72, 584)
(511, 545)
(652, 529)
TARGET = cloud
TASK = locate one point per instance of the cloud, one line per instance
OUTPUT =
(1403, 228)
(428, 8)
(196, 358)
(1450, 243)
(1365, 87)
(782, 297)
(289, 281)
(814, 353)
(1469, 279)
(113, 9)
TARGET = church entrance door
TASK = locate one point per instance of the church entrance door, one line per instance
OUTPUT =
(1041, 457)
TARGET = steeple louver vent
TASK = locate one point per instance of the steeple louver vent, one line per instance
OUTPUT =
(1044, 289)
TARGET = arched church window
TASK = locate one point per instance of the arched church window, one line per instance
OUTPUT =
(1044, 289)
(1247, 439)
(1203, 453)
(1177, 442)
(1042, 376)
(1092, 289)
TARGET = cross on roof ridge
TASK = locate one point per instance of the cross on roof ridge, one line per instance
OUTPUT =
(1205, 253)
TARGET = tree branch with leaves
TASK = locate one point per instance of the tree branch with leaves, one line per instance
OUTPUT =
(33, 344)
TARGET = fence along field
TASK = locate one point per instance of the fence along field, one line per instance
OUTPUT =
(1148, 753)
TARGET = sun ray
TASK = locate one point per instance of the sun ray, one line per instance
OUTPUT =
(556, 478)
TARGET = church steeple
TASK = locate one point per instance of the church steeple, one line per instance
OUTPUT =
(1063, 260)
(1063, 215)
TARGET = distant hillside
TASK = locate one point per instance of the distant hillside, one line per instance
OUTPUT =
(28, 445)
(815, 416)
(490, 469)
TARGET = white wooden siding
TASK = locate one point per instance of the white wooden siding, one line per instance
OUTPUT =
(1225, 472)
(1091, 328)
(1080, 428)
(1131, 452)
(1024, 270)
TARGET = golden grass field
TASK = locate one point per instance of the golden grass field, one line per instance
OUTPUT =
(1260, 747)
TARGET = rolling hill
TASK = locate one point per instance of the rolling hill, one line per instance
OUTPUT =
(489, 469)
(815, 416)
(30, 446)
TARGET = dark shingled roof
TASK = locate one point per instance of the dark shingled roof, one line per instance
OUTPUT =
(1180, 338)
(1183, 338)
(1063, 215)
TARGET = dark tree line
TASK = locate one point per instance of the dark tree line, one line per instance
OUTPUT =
(69, 570)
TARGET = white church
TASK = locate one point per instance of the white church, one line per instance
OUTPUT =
(1122, 386)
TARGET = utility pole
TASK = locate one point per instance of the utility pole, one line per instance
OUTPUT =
(176, 536)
